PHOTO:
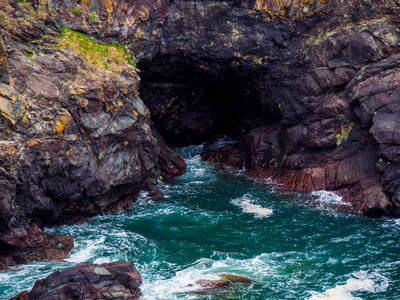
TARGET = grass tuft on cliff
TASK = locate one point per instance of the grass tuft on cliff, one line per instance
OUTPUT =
(100, 56)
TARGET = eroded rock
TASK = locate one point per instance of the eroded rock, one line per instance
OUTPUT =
(116, 280)
(310, 79)
(75, 137)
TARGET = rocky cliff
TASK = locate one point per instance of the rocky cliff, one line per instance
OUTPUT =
(310, 88)
(76, 139)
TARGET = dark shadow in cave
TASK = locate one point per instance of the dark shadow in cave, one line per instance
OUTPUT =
(190, 113)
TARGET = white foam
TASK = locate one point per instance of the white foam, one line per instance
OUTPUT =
(238, 172)
(395, 224)
(102, 260)
(391, 224)
(218, 143)
(143, 194)
(196, 182)
(85, 250)
(197, 170)
(247, 205)
(351, 238)
(160, 210)
(189, 152)
(332, 261)
(4, 277)
(326, 197)
(208, 269)
(260, 269)
(360, 282)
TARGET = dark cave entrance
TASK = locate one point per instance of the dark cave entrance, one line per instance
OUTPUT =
(192, 112)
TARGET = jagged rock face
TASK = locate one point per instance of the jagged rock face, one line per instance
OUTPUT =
(116, 280)
(76, 139)
(275, 62)
(320, 75)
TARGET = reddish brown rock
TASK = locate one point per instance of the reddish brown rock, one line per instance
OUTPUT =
(117, 280)
(211, 284)
(226, 281)
(156, 194)
(226, 156)
(349, 168)
(33, 244)
(170, 164)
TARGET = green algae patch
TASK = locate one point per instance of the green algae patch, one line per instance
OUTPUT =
(76, 10)
(30, 54)
(100, 56)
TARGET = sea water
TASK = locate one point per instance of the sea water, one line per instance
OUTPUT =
(212, 222)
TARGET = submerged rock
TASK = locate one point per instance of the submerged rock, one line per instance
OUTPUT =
(209, 286)
(226, 280)
(156, 194)
(116, 280)
(234, 278)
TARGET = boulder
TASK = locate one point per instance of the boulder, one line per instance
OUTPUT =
(226, 281)
(116, 280)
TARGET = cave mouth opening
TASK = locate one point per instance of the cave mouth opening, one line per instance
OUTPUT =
(187, 113)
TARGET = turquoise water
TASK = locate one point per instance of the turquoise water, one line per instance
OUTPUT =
(292, 246)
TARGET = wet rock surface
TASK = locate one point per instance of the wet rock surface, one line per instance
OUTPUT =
(218, 287)
(315, 83)
(76, 140)
(309, 87)
(116, 280)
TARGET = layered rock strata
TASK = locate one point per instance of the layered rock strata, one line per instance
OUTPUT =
(75, 138)
(309, 87)
(117, 280)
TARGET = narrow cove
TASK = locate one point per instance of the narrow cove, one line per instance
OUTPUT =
(291, 246)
